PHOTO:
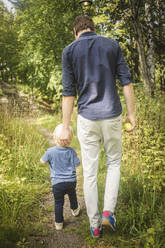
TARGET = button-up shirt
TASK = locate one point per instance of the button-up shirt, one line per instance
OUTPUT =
(90, 67)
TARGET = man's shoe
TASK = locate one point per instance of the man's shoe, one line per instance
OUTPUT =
(96, 232)
(109, 219)
(59, 226)
(76, 211)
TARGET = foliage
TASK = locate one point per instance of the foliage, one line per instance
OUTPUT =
(43, 34)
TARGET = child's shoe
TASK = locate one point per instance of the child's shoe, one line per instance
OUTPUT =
(109, 219)
(59, 226)
(96, 232)
(76, 211)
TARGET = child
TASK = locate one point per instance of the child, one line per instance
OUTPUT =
(62, 161)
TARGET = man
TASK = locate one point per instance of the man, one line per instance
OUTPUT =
(90, 66)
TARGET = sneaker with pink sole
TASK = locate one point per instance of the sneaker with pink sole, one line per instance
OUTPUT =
(108, 219)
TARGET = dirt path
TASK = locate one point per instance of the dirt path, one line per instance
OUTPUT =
(67, 238)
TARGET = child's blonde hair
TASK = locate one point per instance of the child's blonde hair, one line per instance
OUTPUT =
(57, 131)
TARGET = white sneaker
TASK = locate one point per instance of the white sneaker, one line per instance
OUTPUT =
(76, 211)
(59, 226)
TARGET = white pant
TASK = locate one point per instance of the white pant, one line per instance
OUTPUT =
(90, 134)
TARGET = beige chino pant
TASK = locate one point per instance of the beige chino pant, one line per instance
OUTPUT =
(90, 135)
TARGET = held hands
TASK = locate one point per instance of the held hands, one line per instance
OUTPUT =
(65, 136)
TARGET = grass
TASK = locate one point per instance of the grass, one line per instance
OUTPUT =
(23, 179)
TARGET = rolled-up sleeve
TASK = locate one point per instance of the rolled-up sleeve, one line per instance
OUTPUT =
(68, 79)
(123, 72)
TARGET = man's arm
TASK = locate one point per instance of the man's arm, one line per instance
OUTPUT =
(129, 97)
(69, 93)
(67, 109)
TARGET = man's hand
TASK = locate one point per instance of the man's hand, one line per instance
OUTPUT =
(131, 120)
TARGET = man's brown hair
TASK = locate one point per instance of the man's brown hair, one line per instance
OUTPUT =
(82, 23)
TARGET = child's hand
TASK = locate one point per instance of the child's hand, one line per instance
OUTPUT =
(42, 161)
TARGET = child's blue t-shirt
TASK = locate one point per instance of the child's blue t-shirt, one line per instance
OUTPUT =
(62, 162)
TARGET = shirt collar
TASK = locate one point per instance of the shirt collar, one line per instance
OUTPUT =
(88, 33)
(61, 147)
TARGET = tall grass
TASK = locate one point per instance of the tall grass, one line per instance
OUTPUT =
(22, 179)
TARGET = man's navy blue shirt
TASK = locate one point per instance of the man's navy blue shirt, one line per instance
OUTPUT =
(90, 67)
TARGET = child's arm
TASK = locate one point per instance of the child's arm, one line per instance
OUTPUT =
(42, 161)
(45, 158)
(76, 159)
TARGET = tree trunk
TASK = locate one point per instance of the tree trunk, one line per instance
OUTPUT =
(159, 7)
(146, 58)
(150, 47)
(142, 56)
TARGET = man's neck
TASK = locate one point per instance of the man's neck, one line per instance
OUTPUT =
(81, 32)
